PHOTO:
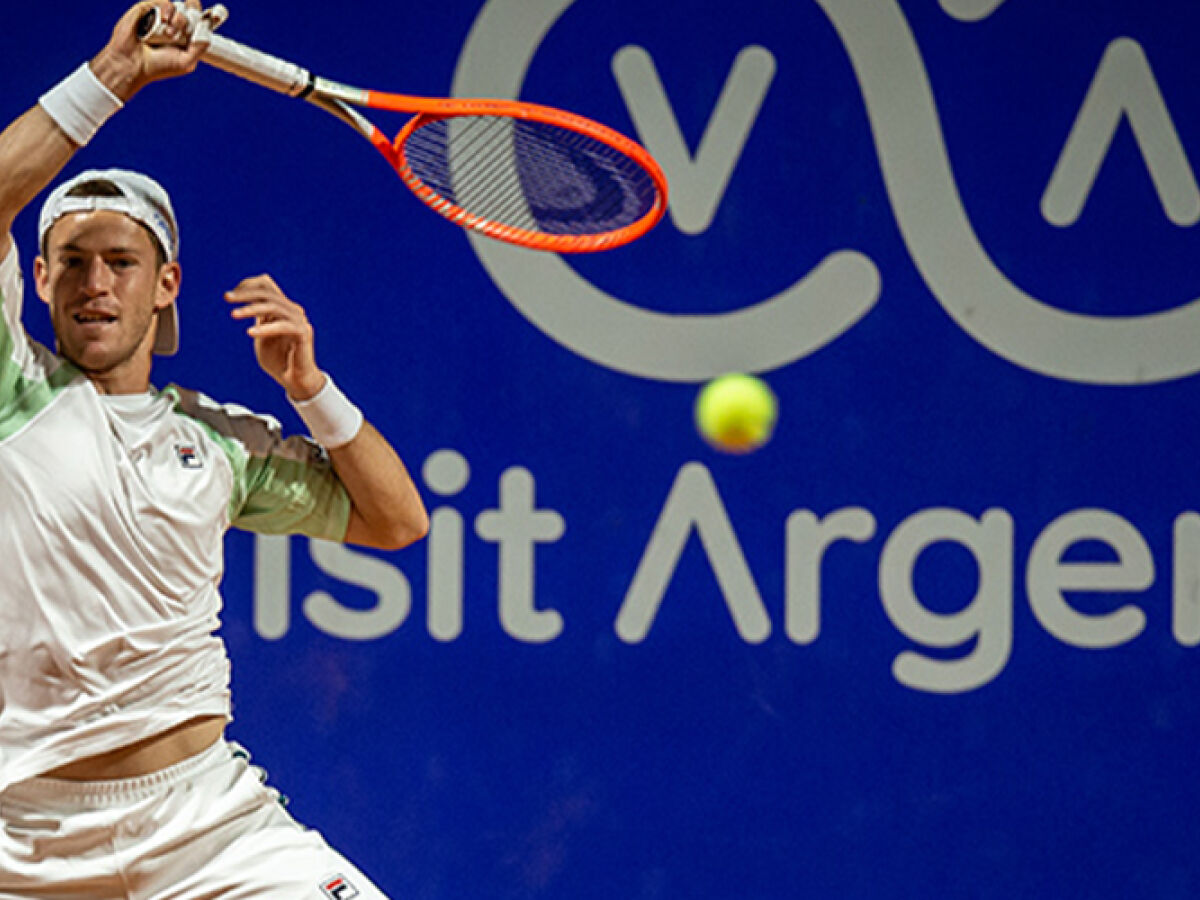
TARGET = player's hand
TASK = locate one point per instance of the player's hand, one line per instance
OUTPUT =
(283, 336)
(127, 64)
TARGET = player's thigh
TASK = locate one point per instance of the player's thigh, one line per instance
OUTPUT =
(281, 862)
(226, 835)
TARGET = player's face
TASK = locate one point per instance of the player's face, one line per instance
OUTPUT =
(103, 282)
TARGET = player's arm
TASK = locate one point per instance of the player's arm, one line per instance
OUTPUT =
(387, 511)
(35, 147)
(32, 151)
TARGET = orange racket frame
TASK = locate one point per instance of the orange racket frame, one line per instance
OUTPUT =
(341, 101)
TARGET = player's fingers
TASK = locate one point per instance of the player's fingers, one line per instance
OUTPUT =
(171, 26)
(252, 294)
(202, 33)
(174, 18)
(269, 309)
(167, 47)
(260, 280)
(257, 286)
(279, 328)
(195, 50)
(242, 298)
(244, 295)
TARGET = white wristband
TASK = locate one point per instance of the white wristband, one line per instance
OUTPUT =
(332, 420)
(80, 104)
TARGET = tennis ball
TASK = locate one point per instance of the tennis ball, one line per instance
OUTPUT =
(736, 413)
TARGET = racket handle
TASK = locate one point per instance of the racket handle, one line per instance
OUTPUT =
(231, 56)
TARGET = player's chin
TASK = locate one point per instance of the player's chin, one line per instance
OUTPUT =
(98, 348)
(95, 357)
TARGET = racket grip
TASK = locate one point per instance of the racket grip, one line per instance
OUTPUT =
(231, 56)
(258, 67)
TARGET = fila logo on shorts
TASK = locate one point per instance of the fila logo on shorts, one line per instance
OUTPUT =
(338, 888)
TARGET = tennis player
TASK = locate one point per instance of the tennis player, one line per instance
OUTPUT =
(116, 780)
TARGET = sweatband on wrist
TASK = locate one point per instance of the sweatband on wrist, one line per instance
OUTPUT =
(80, 104)
(332, 420)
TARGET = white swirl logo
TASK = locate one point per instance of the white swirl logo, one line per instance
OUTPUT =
(924, 198)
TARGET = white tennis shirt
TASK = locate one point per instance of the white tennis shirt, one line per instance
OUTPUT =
(112, 517)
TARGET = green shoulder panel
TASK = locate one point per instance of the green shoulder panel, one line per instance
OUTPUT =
(281, 485)
(30, 375)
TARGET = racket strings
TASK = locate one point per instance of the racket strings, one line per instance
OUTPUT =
(543, 182)
(479, 172)
(597, 193)
(482, 170)
(530, 175)
(475, 152)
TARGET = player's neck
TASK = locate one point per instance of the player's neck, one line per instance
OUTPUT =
(130, 377)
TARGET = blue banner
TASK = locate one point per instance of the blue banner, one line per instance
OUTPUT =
(936, 638)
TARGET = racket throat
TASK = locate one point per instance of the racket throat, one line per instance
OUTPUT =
(342, 93)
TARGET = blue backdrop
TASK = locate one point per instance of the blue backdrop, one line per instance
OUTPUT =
(936, 639)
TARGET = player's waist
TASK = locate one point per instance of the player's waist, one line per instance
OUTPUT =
(146, 757)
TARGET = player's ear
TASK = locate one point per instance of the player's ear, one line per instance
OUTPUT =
(170, 277)
(41, 278)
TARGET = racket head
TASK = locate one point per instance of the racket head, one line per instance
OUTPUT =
(530, 175)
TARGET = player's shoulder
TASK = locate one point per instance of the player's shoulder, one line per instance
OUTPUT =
(12, 284)
(258, 434)
(10, 259)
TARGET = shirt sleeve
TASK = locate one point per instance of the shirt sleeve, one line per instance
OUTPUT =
(280, 485)
(12, 334)
(30, 375)
(10, 284)
(294, 490)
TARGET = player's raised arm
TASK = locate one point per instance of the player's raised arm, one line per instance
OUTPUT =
(35, 147)
(386, 508)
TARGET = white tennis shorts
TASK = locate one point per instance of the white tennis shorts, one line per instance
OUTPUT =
(205, 828)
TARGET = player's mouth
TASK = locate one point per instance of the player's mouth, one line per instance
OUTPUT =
(93, 325)
(94, 318)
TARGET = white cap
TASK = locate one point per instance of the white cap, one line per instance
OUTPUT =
(143, 200)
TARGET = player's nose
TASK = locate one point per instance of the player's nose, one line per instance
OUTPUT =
(97, 277)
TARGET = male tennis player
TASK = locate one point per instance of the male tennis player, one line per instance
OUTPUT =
(115, 778)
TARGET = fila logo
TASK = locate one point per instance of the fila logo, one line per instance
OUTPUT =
(188, 456)
(339, 888)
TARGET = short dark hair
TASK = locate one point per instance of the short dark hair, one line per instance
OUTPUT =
(102, 187)
(99, 187)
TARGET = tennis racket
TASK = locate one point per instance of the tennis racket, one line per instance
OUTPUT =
(526, 174)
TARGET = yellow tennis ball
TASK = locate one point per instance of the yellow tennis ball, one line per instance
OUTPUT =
(736, 413)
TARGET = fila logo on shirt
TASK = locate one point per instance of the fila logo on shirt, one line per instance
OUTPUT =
(339, 888)
(188, 456)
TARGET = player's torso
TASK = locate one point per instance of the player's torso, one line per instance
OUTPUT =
(112, 502)
(113, 523)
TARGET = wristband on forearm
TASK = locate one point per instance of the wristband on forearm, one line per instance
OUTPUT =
(332, 420)
(80, 104)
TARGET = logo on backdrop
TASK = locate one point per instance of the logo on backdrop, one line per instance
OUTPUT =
(922, 190)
